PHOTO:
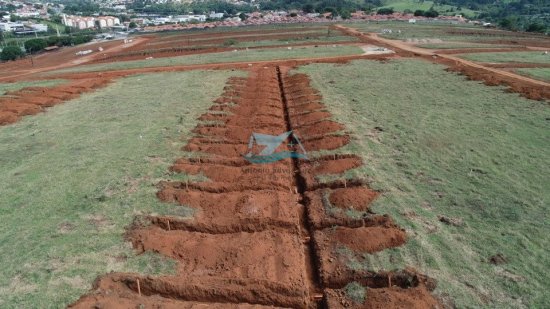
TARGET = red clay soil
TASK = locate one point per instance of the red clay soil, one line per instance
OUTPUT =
(183, 50)
(398, 289)
(259, 235)
(29, 67)
(527, 87)
(222, 66)
(515, 65)
(479, 50)
(190, 38)
(197, 43)
(383, 298)
(358, 198)
(521, 41)
(33, 100)
(205, 35)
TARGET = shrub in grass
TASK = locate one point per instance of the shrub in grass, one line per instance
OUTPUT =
(35, 45)
(230, 42)
(11, 53)
(356, 292)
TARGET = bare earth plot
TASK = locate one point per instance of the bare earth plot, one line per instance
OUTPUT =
(420, 189)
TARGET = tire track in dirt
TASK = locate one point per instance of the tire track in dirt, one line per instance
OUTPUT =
(265, 234)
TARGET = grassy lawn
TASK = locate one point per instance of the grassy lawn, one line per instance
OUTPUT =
(198, 43)
(524, 57)
(539, 73)
(413, 5)
(440, 31)
(442, 145)
(238, 56)
(310, 40)
(228, 36)
(282, 27)
(19, 85)
(73, 178)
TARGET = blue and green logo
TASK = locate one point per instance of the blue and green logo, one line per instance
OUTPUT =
(262, 148)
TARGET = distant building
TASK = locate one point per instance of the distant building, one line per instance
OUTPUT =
(38, 27)
(186, 18)
(215, 15)
(26, 13)
(10, 27)
(82, 22)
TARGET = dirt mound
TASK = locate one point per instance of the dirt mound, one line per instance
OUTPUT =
(230, 211)
(394, 297)
(33, 100)
(367, 239)
(263, 232)
(357, 198)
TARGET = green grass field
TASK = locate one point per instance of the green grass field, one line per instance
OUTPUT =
(195, 39)
(334, 37)
(437, 30)
(457, 148)
(72, 180)
(311, 40)
(233, 56)
(4, 87)
(282, 27)
(413, 5)
(523, 57)
(538, 73)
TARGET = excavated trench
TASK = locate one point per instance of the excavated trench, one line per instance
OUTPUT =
(266, 234)
(33, 100)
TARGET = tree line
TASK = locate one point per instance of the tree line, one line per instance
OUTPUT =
(14, 51)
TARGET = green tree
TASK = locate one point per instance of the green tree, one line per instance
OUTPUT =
(385, 11)
(11, 53)
(419, 13)
(56, 19)
(345, 14)
(510, 23)
(132, 25)
(308, 8)
(123, 18)
(242, 16)
(536, 27)
(53, 40)
(35, 45)
(431, 13)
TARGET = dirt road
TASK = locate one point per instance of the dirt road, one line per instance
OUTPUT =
(531, 88)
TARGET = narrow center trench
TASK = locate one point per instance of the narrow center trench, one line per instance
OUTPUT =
(312, 267)
(264, 235)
